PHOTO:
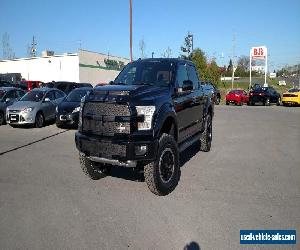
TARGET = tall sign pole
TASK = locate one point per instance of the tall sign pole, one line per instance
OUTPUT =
(259, 53)
(250, 84)
(130, 10)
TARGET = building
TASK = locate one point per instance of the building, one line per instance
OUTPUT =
(83, 66)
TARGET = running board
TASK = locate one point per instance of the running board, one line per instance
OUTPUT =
(189, 142)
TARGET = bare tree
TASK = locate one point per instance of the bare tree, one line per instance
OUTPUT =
(167, 53)
(142, 46)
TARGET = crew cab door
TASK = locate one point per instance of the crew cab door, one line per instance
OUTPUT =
(183, 102)
(197, 99)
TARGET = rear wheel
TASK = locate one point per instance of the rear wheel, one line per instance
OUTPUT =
(93, 170)
(278, 101)
(39, 120)
(206, 136)
(162, 175)
(267, 102)
(227, 103)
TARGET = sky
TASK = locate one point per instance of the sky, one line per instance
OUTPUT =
(103, 26)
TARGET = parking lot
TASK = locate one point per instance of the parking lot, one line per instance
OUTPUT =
(249, 180)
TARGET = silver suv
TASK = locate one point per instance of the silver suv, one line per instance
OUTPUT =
(36, 107)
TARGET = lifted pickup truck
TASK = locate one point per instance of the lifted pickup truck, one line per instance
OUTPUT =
(154, 109)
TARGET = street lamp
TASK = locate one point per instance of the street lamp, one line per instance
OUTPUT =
(130, 11)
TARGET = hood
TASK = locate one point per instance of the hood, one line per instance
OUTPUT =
(68, 106)
(20, 105)
(127, 92)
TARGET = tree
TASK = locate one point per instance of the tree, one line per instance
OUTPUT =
(187, 46)
(142, 46)
(199, 59)
(167, 53)
(213, 72)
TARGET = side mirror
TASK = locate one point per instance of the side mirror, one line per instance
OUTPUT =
(111, 83)
(7, 100)
(187, 85)
(47, 100)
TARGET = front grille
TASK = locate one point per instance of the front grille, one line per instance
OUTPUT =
(103, 149)
(104, 118)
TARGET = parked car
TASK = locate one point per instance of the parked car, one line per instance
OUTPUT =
(35, 107)
(211, 89)
(264, 95)
(291, 97)
(237, 97)
(67, 112)
(5, 84)
(8, 95)
(153, 110)
(66, 87)
(28, 85)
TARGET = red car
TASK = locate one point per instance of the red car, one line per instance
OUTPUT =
(28, 85)
(237, 97)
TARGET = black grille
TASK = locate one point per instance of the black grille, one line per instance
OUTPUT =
(104, 118)
(104, 149)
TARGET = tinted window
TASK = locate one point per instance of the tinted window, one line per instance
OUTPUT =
(193, 76)
(50, 95)
(76, 95)
(11, 95)
(59, 94)
(33, 96)
(181, 75)
(62, 86)
(19, 93)
(157, 73)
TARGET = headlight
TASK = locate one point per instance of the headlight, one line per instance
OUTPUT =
(26, 110)
(147, 112)
(76, 110)
(80, 114)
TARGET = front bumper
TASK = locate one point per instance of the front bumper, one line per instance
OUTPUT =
(67, 119)
(115, 150)
(20, 118)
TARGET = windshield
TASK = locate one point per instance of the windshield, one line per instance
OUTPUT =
(33, 96)
(293, 90)
(155, 73)
(76, 95)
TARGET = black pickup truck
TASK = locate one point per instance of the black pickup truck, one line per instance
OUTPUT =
(153, 110)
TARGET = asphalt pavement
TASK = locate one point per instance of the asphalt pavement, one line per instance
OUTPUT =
(249, 180)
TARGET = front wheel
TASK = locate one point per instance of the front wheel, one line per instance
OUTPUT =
(39, 120)
(93, 170)
(206, 136)
(162, 175)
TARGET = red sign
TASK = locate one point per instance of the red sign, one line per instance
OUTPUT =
(259, 52)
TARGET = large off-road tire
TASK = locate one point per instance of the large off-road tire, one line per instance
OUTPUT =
(162, 175)
(93, 170)
(39, 120)
(2, 118)
(206, 136)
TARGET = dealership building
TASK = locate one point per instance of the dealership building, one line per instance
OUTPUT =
(83, 66)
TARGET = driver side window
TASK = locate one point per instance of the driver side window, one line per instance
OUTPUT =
(181, 75)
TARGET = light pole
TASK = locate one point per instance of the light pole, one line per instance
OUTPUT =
(130, 10)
